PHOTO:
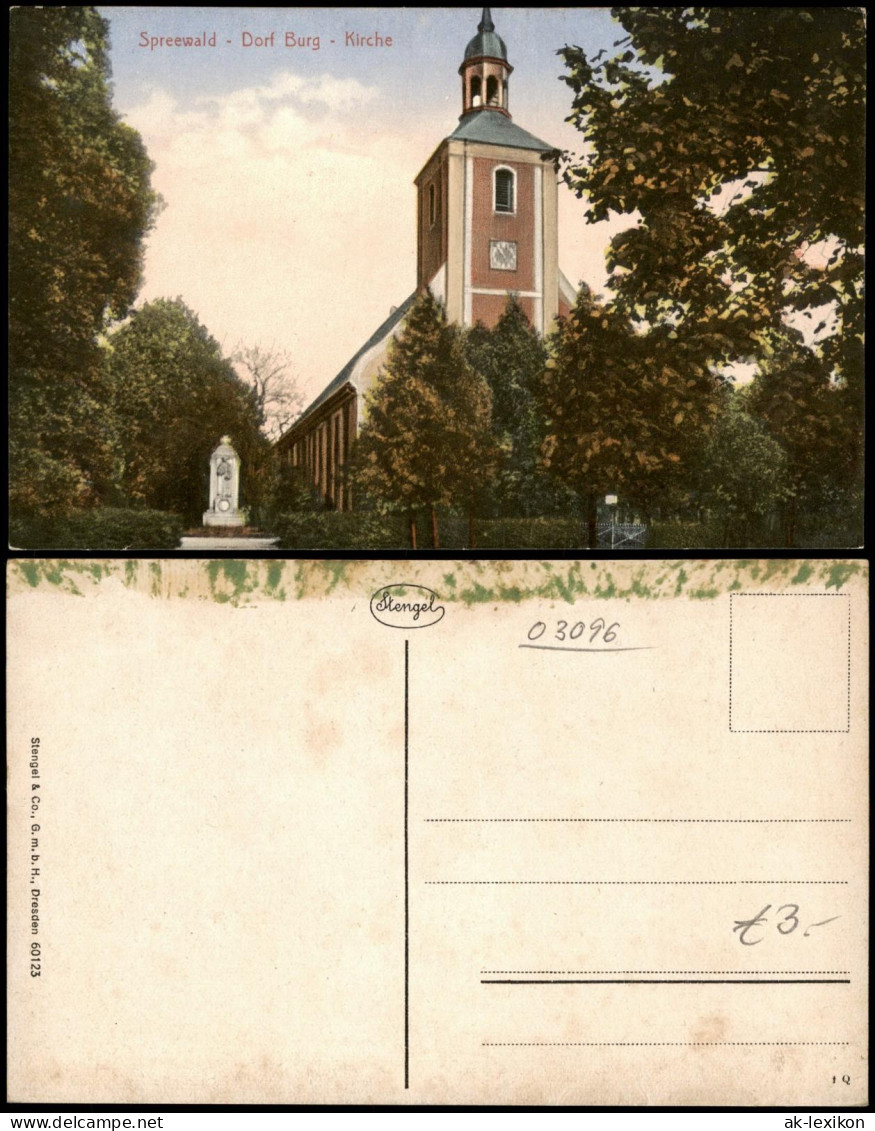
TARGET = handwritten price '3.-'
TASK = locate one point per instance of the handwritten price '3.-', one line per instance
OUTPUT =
(786, 924)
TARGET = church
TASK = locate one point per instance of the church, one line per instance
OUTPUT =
(487, 202)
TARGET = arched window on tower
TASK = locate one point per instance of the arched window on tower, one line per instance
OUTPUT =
(476, 99)
(492, 96)
(503, 190)
(432, 207)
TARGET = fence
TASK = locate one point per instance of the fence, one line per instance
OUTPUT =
(621, 535)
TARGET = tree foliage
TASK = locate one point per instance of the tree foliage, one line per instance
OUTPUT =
(511, 356)
(426, 440)
(817, 421)
(173, 397)
(743, 474)
(736, 135)
(732, 139)
(623, 410)
(277, 397)
(79, 204)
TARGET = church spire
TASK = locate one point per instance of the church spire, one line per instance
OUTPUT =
(485, 70)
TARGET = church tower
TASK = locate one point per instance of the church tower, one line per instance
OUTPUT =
(487, 203)
(486, 228)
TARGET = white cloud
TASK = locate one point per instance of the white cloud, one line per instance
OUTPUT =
(286, 221)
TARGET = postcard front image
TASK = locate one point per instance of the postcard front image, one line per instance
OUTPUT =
(508, 279)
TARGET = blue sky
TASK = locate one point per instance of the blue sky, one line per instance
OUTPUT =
(287, 171)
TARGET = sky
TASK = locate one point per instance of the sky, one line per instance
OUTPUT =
(287, 167)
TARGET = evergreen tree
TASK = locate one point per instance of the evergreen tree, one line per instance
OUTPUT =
(426, 440)
(511, 356)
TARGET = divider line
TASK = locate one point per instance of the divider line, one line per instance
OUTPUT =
(663, 981)
(406, 864)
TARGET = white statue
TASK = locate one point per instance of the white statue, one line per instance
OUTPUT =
(224, 487)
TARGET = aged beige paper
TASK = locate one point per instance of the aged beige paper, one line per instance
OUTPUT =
(526, 833)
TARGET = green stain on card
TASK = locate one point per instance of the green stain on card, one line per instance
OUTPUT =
(230, 580)
(31, 573)
(773, 568)
(639, 589)
(238, 582)
(477, 594)
(566, 588)
(274, 577)
(300, 580)
(334, 572)
(840, 572)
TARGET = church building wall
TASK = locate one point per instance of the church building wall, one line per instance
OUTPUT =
(432, 224)
(488, 225)
(489, 308)
(322, 448)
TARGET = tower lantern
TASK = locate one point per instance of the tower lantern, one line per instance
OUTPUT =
(485, 70)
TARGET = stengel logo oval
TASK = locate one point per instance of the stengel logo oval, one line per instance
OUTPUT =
(406, 606)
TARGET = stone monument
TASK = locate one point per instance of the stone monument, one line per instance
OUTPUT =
(224, 486)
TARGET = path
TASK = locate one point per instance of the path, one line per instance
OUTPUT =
(200, 544)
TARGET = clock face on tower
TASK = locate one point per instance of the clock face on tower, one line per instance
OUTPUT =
(502, 255)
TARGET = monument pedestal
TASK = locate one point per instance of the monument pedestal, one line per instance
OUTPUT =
(224, 487)
(217, 518)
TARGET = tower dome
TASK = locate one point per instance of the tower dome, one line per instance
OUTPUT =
(485, 70)
(486, 42)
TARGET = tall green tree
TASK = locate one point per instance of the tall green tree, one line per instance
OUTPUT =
(817, 421)
(736, 135)
(732, 138)
(624, 412)
(743, 475)
(426, 440)
(173, 396)
(80, 202)
(511, 356)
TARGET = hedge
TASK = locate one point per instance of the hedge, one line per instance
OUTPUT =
(527, 534)
(346, 530)
(340, 530)
(715, 536)
(685, 535)
(105, 528)
(352, 530)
